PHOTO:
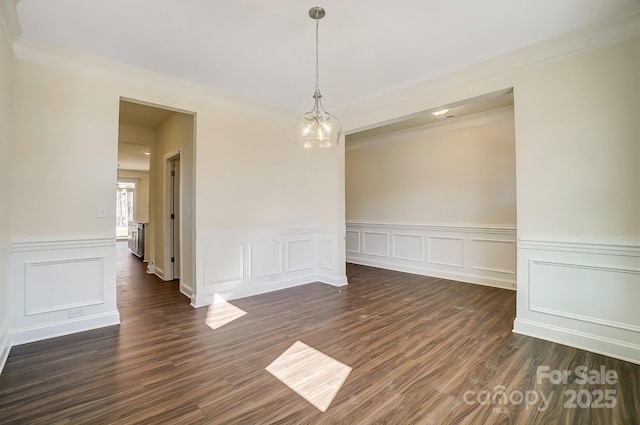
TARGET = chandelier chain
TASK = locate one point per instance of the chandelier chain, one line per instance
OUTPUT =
(317, 53)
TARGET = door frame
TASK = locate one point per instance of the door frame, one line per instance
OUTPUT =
(168, 243)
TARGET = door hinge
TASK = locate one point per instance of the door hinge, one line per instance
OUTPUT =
(173, 174)
(173, 259)
(173, 216)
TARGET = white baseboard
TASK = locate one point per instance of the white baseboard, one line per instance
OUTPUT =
(158, 272)
(66, 327)
(585, 341)
(333, 280)
(5, 345)
(484, 255)
(58, 286)
(247, 289)
(241, 264)
(581, 293)
(460, 277)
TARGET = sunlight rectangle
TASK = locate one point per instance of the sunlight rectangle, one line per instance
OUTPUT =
(315, 376)
(222, 312)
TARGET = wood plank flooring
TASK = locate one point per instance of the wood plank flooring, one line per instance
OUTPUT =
(419, 347)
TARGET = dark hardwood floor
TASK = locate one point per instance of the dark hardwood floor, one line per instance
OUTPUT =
(423, 351)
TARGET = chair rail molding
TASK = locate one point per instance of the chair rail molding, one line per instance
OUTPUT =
(481, 254)
(60, 285)
(582, 293)
(240, 263)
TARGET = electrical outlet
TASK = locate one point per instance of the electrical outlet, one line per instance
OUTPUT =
(102, 213)
(75, 312)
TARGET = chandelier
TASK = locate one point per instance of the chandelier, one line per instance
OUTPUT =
(317, 128)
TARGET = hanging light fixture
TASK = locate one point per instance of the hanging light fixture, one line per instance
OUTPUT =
(317, 128)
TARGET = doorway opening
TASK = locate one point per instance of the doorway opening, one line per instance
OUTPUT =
(434, 193)
(172, 238)
(155, 151)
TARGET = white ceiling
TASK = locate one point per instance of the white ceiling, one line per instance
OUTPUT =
(465, 108)
(265, 49)
(142, 115)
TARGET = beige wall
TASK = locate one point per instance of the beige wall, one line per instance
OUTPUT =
(5, 184)
(173, 134)
(576, 126)
(252, 175)
(458, 172)
(5, 147)
(578, 146)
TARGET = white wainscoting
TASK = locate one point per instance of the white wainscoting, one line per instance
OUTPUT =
(583, 294)
(61, 286)
(241, 264)
(477, 254)
(5, 339)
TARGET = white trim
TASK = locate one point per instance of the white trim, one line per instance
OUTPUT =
(64, 242)
(450, 275)
(159, 272)
(580, 317)
(585, 341)
(235, 290)
(333, 280)
(184, 286)
(417, 97)
(167, 206)
(286, 257)
(467, 228)
(430, 250)
(5, 344)
(28, 311)
(468, 121)
(66, 327)
(411, 235)
(625, 247)
(429, 259)
(359, 236)
(364, 243)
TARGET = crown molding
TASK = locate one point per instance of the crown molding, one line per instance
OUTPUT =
(74, 61)
(467, 121)
(435, 92)
(9, 21)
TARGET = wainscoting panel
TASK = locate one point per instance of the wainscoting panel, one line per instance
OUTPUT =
(266, 259)
(300, 255)
(62, 286)
(244, 264)
(328, 250)
(225, 263)
(483, 255)
(493, 255)
(446, 250)
(5, 338)
(408, 247)
(578, 295)
(353, 241)
(78, 284)
(375, 243)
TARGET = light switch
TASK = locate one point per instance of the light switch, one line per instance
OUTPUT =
(102, 213)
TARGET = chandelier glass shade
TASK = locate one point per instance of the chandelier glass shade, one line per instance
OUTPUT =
(317, 128)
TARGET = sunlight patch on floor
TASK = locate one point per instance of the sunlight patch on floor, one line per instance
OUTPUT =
(221, 312)
(315, 376)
